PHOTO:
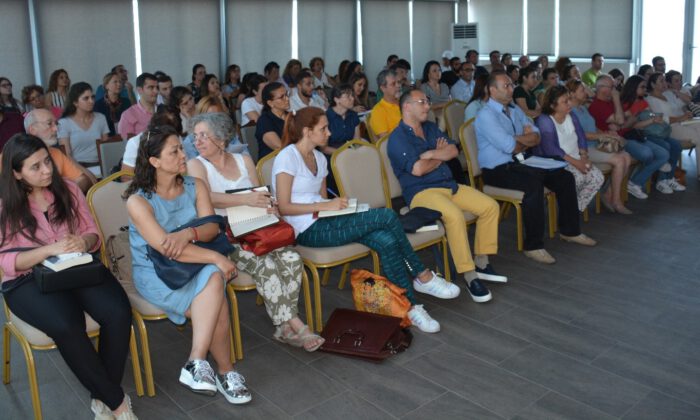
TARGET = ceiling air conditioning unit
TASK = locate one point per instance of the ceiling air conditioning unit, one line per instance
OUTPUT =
(465, 37)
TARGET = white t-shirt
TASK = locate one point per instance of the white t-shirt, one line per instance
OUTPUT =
(131, 150)
(249, 104)
(219, 183)
(306, 187)
(322, 82)
(82, 142)
(296, 104)
(568, 140)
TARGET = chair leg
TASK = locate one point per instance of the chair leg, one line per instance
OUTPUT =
(326, 276)
(446, 260)
(5, 354)
(519, 225)
(307, 300)
(343, 276)
(552, 212)
(31, 373)
(585, 215)
(237, 342)
(145, 353)
(259, 300)
(597, 202)
(135, 364)
(318, 310)
(375, 262)
(506, 210)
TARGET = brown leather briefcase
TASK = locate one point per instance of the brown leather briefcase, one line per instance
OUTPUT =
(365, 335)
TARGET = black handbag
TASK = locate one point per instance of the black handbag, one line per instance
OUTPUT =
(176, 274)
(84, 275)
(418, 217)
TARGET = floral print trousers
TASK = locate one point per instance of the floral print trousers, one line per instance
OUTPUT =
(277, 276)
(587, 185)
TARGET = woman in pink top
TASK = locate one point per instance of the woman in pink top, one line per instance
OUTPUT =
(48, 216)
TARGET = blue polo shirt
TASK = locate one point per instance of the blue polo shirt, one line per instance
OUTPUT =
(496, 131)
(404, 150)
(342, 129)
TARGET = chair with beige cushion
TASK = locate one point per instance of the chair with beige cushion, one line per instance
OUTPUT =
(320, 257)
(361, 181)
(30, 339)
(109, 211)
(248, 137)
(454, 117)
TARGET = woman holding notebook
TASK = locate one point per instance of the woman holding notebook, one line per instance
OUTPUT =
(277, 275)
(44, 216)
(299, 182)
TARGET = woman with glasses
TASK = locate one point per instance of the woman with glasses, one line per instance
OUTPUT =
(33, 98)
(268, 130)
(81, 126)
(7, 102)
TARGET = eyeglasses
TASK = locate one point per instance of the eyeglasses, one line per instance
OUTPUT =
(421, 102)
(202, 136)
(49, 123)
(284, 95)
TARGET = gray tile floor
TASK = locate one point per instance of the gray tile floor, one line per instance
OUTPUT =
(607, 332)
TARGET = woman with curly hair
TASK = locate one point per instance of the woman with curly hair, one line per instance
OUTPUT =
(57, 92)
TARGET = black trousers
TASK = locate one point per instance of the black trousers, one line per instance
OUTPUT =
(60, 316)
(531, 181)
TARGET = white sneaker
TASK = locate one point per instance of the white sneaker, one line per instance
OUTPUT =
(438, 287)
(675, 185)
(420, 318)
(666, 167)
(101, 411)
(663, 187)
(636, 190)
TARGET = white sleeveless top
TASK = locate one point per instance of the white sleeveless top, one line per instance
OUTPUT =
(219, 184)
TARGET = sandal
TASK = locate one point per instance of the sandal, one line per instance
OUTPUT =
(308, 340)
(285, 334)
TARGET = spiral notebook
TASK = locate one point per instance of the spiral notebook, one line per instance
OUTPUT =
(245, 219)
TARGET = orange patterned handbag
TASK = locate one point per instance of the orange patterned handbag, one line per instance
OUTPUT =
(376, 294)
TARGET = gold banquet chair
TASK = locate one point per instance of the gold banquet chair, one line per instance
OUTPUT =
(325, 257)
(360, 173)
(109, 211)
(30, 339)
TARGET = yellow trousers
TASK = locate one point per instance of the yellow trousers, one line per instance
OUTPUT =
(452, 207)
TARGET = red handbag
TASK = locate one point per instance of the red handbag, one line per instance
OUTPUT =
(267, 239)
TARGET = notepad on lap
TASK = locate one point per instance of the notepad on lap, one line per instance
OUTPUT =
(352, 207)
(63, 261)
(245, 219)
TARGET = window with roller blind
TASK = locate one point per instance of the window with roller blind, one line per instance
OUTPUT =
(326, 29)
(16, 51)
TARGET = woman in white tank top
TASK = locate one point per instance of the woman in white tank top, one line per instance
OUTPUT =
(277, 275)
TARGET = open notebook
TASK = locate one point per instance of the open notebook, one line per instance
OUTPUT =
(245, 219)
(352, 207)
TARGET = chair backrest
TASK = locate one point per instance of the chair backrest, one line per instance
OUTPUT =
(264, 168)
(392, 183)
(467, 137)
(109, 152)
(370, 133)
(357, 168)
(108, 208)
(454, 116)
(248, 137)
(432, 117)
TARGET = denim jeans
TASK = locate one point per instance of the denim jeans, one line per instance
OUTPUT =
(673, 147)
(650, 155)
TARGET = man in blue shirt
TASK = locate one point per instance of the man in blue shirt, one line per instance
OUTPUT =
(418, 152)
(463, 89)
(503, 135)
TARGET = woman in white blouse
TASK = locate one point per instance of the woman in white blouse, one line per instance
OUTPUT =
(252, 105)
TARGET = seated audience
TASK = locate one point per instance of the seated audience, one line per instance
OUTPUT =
(341, 70)
(159, 199)
(252, 106)
(7, 102)
(560, 66)
(386, 115)
(278, 270)
(47, 216)
(473, 57)
(182, 100)
(503, 135)
(164, 116)
(664, 101)
(291, 70)
(112, 105)
(304, 94)
(438, 93)
(606, 109)
(343, 122)
(676, 92)
(10, 124)
(513, 72)
(81, 126)
(270, 125)
(212, 87)
(620, 161)
(42, 124)
(272, 72)
(209, 105)
(494, 61)
(321, 79)
(524, 94)
(450, 76)
(360, 91)
(135, 119)
(618, 77)
(447, 55)
(639, 117)
(507, 59)
(589, 76)
(352, 68)
(463, 88)
(645, 71)
(165, 86)
(232, 84)
(33, 98)
(198, 73)
(523, 61)
(298, 180)
(419, 151)
(562, 137)
(127, 92)
(479, 98)
(571, 72)
(393, 58)
(57, 92)
(659, 64)
(544, 61)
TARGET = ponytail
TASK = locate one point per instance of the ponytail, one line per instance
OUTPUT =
(295, 123)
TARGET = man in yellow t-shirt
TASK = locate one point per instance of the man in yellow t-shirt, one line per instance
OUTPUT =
(385, 115)
(41, 123)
